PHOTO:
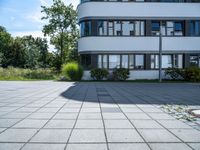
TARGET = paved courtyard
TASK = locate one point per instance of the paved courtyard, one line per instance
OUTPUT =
(51, 115)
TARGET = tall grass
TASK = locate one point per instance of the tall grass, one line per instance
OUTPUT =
(11, 73)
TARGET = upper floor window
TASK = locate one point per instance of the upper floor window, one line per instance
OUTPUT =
(168, 28)
(194, 28)
(85, 28)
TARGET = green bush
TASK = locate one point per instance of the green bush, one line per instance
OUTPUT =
(174, 73)
(121, 74)
(99, 74)
(192, 74)
(72, 71)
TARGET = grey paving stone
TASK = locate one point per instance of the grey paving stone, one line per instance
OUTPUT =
(69, 110)
(152, 110)
(86, 147)
(125, 146)
(110, 110)
(17, 135)
(174, 124)
(195, 146)
(158, 135)
(87, 136)
(114, 116)
(60, 124)
(123, 135)
(134, 110)
(48, 110)
(41, 115)
(118, 124)
(2, 129)
(26, 109)
(7, 122)
(137, 116)
(92, 110)
(65, 116)
(89, 124)
(52, 135)
(169, 146)
(15, 115)
(10, 146)
(44, 147)
(161, 116)
(87, 116)
(30, 123)
(187, 135)
(146, 124)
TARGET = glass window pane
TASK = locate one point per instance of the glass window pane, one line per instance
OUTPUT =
(102, 27)
(128, 28)
(131, 61)
(105, 61)
(155, 28)
(99, 61)
(170, 28)
(152, 61)
(118, 30)
(137, 27)
(139, 61)
(114, 61)
(178, 28)
(166, 61)
(194, 60)
(124, 61)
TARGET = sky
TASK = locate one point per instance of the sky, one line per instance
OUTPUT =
(23, 17)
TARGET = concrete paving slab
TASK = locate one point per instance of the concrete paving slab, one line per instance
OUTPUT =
(52, 136)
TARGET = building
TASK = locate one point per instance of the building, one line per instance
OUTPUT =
(125, 33)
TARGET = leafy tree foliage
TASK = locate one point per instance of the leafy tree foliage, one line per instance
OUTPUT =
(62, 29)
(23, 52)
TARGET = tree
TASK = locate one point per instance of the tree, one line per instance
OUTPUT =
(5, 41)
(61, 27)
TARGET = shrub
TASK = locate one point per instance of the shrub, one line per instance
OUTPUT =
(174, 73)
(121, 74)
(72, 71)
(192, 74)
(98, 74)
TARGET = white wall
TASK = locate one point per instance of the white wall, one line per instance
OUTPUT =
(134, 75)
(139, 10)
(138, 44)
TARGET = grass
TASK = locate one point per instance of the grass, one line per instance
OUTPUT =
(18, 74)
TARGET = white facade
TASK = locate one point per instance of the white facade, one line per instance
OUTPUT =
(102, 34)
(138, 44)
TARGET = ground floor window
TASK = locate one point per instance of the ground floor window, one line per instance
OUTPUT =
(168, 61)
(121, 61)
(195, 60)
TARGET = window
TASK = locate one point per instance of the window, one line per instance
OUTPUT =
(102, 28)
(155, 28)
(194, 60)
(131, 61)
(178, 28)
(110, 28)
(86, 60)
(105, 61)
(194, 28)
(114, 61)
(86, 28)
(168, 61)
(118, 28)
(128, 28)
(139, 61)
(100, 61)
(124, 61)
